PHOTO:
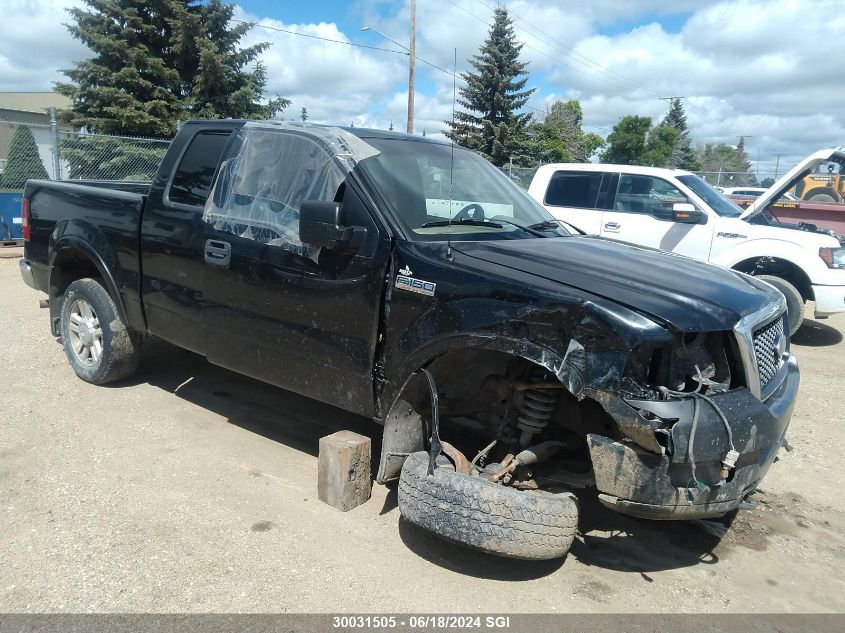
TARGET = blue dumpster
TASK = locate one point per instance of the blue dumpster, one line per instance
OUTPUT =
(10, 215)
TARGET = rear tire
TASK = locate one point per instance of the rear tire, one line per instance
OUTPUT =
(98, 345)
(485, 516)
(794, 301)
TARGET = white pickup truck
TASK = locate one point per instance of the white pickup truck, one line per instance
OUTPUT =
(677, 211)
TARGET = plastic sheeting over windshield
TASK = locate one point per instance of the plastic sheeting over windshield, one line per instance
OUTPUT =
(259, 191)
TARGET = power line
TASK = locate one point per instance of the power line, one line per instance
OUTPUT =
(569, 51)
(317, 37)
(345, 43)
(534, 48)
(554, 43)
(389, 50)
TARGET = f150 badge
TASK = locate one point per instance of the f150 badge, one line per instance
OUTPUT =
(404, 281)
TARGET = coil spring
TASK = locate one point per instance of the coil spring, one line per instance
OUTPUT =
(536, 407)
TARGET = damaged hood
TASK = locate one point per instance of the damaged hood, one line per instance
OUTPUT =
(685, 293)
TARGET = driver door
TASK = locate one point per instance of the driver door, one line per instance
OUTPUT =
(300, 318)
(641, 214)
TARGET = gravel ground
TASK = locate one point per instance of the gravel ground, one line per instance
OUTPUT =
(191, 489)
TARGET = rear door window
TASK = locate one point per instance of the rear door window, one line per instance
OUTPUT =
(578, 189)
(195, 173)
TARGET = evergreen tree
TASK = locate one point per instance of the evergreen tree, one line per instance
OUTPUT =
(214, 73)
(742, 162)
(683, 156)
(304, 115)
(390, 128)
(156, 61)
(128, 86)
(659, 146)
(726, 165)
(23, 160)
(493, 94)
(107, 158)
(627, 142)
(558, 138)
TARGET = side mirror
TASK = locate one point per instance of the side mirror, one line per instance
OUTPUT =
(686, 213)
(320, 224)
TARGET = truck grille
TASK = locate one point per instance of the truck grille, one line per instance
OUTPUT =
(769, 357)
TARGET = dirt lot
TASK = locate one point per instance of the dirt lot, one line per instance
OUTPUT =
(191, 488)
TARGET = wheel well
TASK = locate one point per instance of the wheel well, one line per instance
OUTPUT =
(71, 264)
(778, 268)
(480, 395)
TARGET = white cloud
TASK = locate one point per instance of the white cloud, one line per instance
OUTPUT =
(334, 81)
(34, 43)
(762, 68)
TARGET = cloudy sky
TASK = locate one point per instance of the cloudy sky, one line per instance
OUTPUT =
(770, 70)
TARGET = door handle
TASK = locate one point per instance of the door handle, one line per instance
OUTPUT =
(218, 252)
(612, 226)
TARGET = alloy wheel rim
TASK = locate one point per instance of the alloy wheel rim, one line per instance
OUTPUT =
(86, 335)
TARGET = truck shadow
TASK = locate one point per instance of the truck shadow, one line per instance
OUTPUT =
(816, 334)
(614, 541)
(278, 415)
(605, 538)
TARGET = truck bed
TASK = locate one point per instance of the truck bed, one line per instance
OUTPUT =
(98, 218)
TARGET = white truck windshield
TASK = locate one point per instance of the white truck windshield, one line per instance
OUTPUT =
(719, 203)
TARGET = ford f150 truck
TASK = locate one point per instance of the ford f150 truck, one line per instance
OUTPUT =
(677, 211)
(409, 281)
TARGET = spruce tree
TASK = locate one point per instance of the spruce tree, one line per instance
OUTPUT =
(130, 85)
(157, 61)
(683, 156)
(23, 160)
(558, 138)
(215, 77)
(492, 96)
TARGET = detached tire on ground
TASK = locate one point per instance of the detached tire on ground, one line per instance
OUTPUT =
(486, 516)
(98, 345)
(794, 301)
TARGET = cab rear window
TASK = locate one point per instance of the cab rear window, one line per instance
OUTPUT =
(195, 173)
(578, 189)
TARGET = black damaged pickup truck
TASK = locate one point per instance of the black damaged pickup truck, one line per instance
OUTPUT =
(509, 359)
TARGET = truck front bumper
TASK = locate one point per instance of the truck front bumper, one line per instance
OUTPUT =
(829, 300)
(642, 483)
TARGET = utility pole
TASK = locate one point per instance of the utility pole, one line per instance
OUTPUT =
(411, 66)
(777, 167)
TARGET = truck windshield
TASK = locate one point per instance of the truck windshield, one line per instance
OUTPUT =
(719, 203)
(426, 187)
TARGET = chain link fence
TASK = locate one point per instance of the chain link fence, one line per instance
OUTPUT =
(520, 175)
(35, 150)
(31, 150)
(737, 178)
(104, 157)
